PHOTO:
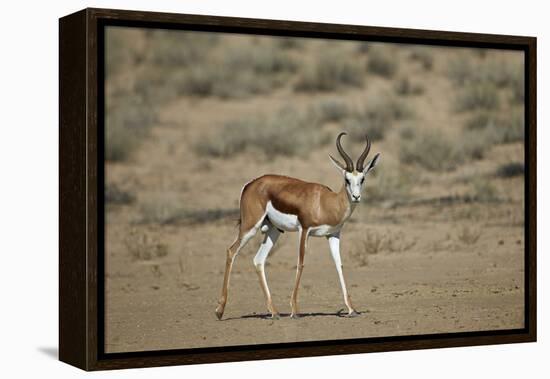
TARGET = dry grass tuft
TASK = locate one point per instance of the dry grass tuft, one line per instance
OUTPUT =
(469, 235)
(144, 247)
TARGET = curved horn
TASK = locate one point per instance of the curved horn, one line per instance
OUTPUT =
(347, 159)
(361, 159)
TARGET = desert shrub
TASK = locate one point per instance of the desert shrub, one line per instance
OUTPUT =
(262, 60)
(240, 73)
(479, 121)
(493, 128)
(363, 47)
(360, 127)
(471, 145)
(118, 57)
(381, 62)
(329, 110)
(128, 120)
(407, 132)
(491, 71)
(405, 87)
(331, 72)
(114, 195)
(376, 118)
(477, 96)
(389, 184)
(431, 150)
(510, 170)
(170, 49)
(285, 133)
(483, 190)
(518, 89)
(499, 72)
(460, 70)
(288, 42)
(509, 129)
(423, 55)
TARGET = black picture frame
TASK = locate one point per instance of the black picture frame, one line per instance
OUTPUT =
(81, 271)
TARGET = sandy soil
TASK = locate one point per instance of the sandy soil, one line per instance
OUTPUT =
(441, 267)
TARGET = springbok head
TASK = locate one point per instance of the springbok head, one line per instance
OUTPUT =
(354, 177)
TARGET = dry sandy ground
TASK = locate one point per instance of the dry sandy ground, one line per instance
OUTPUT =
(172, 306)
(441, 267)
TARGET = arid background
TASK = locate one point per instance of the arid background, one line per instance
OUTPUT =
(435, 247)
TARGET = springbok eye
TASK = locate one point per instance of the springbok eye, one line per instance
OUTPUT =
(347, 181)
(362, 180)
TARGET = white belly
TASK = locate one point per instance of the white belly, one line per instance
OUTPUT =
(324, 230)
(283, 221)
(289, 223)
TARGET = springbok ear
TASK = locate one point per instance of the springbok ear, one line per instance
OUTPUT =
(337, 164)
(373, 162)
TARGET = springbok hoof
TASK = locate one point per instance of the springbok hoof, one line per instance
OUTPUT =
(352, 314)
(295, 316)
(275, 316)
(219, 314)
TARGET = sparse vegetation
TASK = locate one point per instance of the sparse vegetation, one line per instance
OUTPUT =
(331, 72)
(430, 150)
(389, 184)
(476, 96)
(499, 73)
(381, 62)
(374, 242)
(128, 120)
(406, 87)
(493, 128)
(286, 133)
(330, 110)
(114, 195)
(377, 117)
(370, 244)
(144, 247)
(165, 212)
(483, 191)
(468, 235)
(423, 55)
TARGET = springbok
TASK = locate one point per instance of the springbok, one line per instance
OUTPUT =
(275, 204)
